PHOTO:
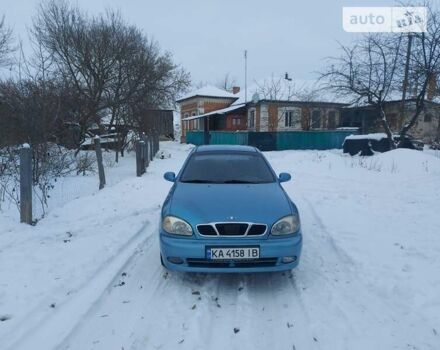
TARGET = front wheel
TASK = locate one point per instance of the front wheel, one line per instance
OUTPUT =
(161, 261)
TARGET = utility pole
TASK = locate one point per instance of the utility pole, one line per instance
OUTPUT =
(405, 79)
(245, 76)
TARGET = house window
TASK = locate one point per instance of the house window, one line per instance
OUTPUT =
(316, 120)
(331, 124)
(252, 119)
(288, 118)
(236, 121)
(427, 118)
(196, 122)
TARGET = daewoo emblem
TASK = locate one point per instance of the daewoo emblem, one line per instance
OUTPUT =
(231, 218)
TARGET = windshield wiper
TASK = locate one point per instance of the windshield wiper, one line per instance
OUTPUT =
(239, 182)
(198, 181)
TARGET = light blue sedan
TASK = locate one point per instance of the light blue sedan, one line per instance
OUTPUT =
(227, 212)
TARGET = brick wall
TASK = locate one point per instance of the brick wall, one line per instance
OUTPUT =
(257, 118)
(197, 106)
(273, 116)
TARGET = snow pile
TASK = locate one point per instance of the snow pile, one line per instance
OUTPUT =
(375, 136)
(162, 154)
(410, 162)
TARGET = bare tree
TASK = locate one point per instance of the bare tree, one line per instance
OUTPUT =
(226, 83)
(113, 67)
(367, 73)
(275, 89)
(423, 67)
(5, 43)
(284, 89)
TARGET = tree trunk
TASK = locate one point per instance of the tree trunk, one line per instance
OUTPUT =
(437, 136)
(407, 126)
(386, 127)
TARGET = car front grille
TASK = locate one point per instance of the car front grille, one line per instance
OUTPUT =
(262, 262)
(231, 229)
(207, 230)
(235, 229)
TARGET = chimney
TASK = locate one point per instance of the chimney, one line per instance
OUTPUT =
(235, 89)
(431, 90)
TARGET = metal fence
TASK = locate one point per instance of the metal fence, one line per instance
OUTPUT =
(275, 141)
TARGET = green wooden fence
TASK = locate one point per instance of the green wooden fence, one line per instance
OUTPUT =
(311, 139)
(228, 138)
(268, 141)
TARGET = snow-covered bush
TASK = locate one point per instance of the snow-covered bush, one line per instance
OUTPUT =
(85, 163)
(49, 162)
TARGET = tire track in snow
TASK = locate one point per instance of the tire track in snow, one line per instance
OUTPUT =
(72, 307)
(343, 257)
(149, 305)
(379, 324)
(316, 283)
(143, 247)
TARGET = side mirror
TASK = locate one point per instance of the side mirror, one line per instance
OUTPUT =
(284, 177)
(169, 176)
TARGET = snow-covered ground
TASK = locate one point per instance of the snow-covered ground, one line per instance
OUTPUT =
(88, 275)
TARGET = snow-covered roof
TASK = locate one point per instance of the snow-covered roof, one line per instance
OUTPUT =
(218, 111)
(209, 91)
(299, 90)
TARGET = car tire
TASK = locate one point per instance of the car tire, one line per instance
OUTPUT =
(161, 261)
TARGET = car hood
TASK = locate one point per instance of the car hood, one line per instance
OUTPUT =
(201, 203)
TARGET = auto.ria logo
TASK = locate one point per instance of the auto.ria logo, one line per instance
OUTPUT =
(384, 19)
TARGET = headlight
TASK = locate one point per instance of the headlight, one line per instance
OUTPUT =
(286, 225)
(176, 226)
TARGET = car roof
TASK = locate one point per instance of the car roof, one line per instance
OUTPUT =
(225, 148)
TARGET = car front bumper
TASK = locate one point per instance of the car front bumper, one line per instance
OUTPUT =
(192, 253)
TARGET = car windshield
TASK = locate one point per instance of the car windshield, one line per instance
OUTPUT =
(244, 167)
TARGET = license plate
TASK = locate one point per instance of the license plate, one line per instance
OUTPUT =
(233, 253)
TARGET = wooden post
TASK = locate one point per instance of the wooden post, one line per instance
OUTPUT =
(145, 158)
(151, 147)
(117, 147)
(138, 149)
(99, 160)
(145, 154)
(26, 184)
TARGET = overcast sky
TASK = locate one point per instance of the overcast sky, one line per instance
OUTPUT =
(208, 37)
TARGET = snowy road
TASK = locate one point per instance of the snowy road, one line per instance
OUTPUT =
(365, 280)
